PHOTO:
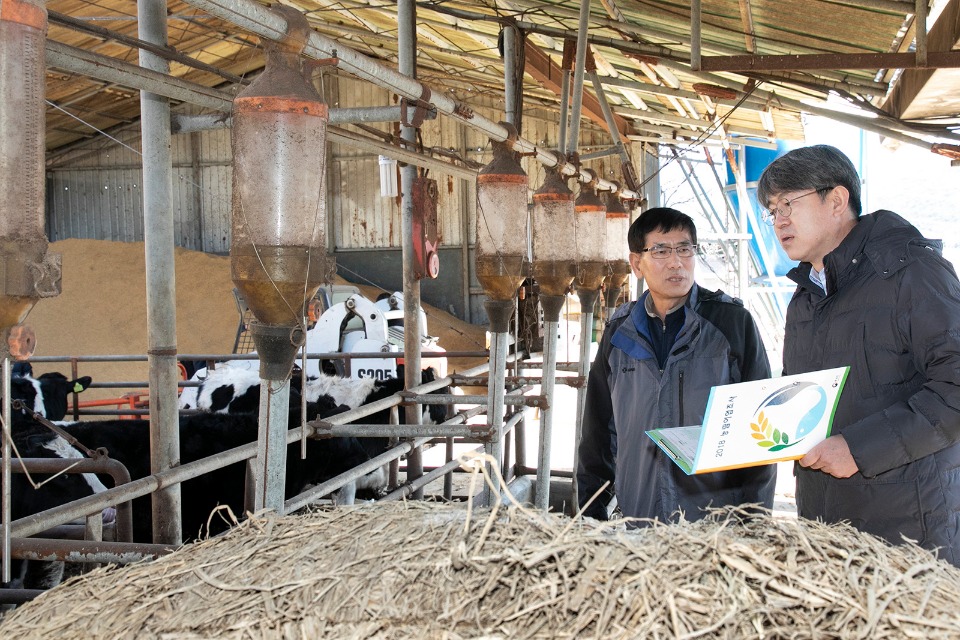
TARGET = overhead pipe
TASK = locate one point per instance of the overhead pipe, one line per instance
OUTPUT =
(184, 123)
(257, 19)
(626, 162)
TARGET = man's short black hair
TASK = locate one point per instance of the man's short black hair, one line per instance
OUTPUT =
(663, 219)
(821, 167)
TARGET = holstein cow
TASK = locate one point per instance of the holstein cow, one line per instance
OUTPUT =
(230, 389)
(201, 436)
(47, 396)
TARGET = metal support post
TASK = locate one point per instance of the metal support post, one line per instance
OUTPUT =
(7, 514)
(587, 300)
(578, 70)
(271, 460)
(161, 282)
(407, 51)
(548, 384)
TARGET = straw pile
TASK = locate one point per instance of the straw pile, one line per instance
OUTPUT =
(417, 570)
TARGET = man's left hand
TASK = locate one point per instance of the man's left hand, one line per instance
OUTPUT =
(831, 456)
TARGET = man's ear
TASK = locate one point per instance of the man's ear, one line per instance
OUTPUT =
(839, 199)
(635, 264)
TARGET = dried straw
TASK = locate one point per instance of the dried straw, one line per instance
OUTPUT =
(422, 570)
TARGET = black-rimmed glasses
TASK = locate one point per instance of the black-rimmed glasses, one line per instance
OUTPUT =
(663, 251)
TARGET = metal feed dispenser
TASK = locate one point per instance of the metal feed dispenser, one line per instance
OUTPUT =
(554, 243)
(591, 229)
(618, 267)
(502, 262)
(27, 273)
(278, 256)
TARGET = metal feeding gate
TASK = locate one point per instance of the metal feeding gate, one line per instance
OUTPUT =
(243, 343)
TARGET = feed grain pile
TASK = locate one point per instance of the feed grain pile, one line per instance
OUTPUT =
(419, 570)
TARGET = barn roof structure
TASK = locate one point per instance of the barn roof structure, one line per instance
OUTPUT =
(669, 70)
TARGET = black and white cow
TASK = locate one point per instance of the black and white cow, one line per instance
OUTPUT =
(203, 435)
(47, 395)
(39, 492)
(230, 390)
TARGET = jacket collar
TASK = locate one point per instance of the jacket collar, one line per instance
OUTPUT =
(882, 238)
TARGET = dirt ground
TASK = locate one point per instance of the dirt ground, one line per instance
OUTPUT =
(102, 310)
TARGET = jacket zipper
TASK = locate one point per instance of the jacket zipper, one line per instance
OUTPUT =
(682, 423)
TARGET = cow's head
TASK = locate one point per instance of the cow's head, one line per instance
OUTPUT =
(47, 395)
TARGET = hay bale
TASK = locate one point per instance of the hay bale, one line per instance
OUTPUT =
(420, 570)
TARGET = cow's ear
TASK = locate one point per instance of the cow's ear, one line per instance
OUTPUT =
(80, 384)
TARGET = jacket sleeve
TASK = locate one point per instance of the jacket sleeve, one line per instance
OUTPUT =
(598, 441)
(928, 316)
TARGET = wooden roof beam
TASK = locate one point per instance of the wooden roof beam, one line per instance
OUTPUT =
(548, 73)
(798, 62)
(944, 35)
(749, 37)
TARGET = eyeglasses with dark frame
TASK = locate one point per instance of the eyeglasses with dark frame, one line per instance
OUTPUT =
(784, 208)
(663, 251)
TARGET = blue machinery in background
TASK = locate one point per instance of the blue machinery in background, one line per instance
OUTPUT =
(768, 260)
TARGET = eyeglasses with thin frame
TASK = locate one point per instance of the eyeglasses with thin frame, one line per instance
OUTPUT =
(783, 208)
(663, 251)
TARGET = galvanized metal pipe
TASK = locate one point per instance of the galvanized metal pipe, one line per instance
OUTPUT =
(578, 70)
(498, 361)
(695, 26)
(448, 478)
(435, 398)
(114, 468)
(144, 76)
(187, 123)
(445, 470)
(586, 337)
(564, 110)
(161, 278)
(547, 388)
(401, 431)
(608, 117)
(218, 357)
(407, 59)
(325, 488)
(6, 500)
(271, 467)
(510, 89)
(33, 524)
(86, 551)
(257, 19)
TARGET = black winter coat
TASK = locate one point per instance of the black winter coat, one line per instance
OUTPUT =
(892, 313)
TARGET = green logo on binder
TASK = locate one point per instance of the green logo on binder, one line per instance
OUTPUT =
(807, 400)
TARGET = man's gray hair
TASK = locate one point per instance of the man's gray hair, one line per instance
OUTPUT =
(821, 167)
